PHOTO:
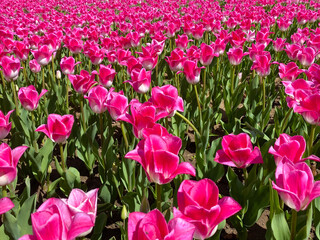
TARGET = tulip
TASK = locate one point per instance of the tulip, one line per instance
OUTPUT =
(5, 126)
(21, 51)
(237, 151)
(166, 98)
(313, 73)
(237, 38)
(117, 104)
(254, 50)
(97, 97)
(143, 115)
(292, 51)
(8, 163)
(207, 54)
(133, 63)
(199, 204)
(140, 80)
(279, 44)
(148, 58)
(306, 56)
(289, 72)
(235, 55)
(5, 205)
(74, 45)
(158, 155)
(176, 60)
(58, 128)
(10, 68)
(191, 71)
(295, 184)
(29, 97)
(182, 41)
(43, 55)
(290, 147)
(34, 66)
(106, 75)
(262, 64)
(153, 226)
(83, 82)
(54, 220)
(67, 65)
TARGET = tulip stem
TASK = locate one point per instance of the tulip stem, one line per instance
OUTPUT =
(198, 101)
(53, 73)
(232, 79)
(204, 79)
(43, 77)
(24, 71)
(263, 81)
(3, 81)
(63, 163)
(176, 76)
(123, 129)
(158, 191)
(189, 123)
(35, 145)
(4, 191)
(313, 164)
(245, 175)
(102, 139)
(15, 97)
(67, 94)
(82, 115)
(293, 224)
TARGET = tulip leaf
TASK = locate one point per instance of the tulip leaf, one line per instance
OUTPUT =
(3, 235)
(101, 222)
(304, 223)
(24, 215)
(280, 227)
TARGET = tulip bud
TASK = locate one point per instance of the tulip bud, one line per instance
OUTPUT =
(145, 206)
(58, 74)
(124, 213)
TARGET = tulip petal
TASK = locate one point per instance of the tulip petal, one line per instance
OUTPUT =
(289, 198)
(134, 219)
(17, 153)
(81, 224)
(5, 205)
(180, 229)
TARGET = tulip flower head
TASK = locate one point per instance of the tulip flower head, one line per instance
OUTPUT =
(5, 126)
(29, 97)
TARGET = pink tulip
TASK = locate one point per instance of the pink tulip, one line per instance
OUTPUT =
(192, 71)
(34, 66)
(182, 41)
(117, 104)
(237, 38)
(235, 55)
(10, 68)
(254, 50)
(199, 204)
(207, 54)
(295, 184)
(67, 65)
(58, 128)
(53, 220)
(5, 126)
(289, 72)
(176, 60)
(43, 55)
(283, 24)
(166, 98)
(21, 51)
(133, 63)
(83, 82)
(219, 46)
(279, 44)
(106, 75)
(5, 205)
(292, 51)
(153, 226)
(29, 97)
(313, 73)
(262, 37)
(8, 163)
(197, 31)
(74, 45)
(148, 58)
(158, 155)
(237, 151)
(140, 80)
(306, 56)
(143, 115)
(262, 64)
(81, 202)
(290, 147)
(97, 97)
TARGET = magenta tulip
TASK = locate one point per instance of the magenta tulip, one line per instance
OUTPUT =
(67, 65)
(97, 97)
(140, 80)
(83, 82)
(158, 155)
(10, 68)
(235, 55)
(5, 126)
(289, 72)
(290, 147)
(29, 97)
(207, 54)
(8, 162)
(166, 98)
(106, 75)
(35, 67)
(192, 71)
(5, 205)
(176, 60)
(295, 184)
(199, 204)
(58, 128)
(117, 104)
(153, 226)
(237, 151)
(43, 55)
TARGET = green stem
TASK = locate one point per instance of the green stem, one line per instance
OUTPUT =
(24, 70)
(4, 191)
(263, 81)
(102, 139)
(158, 191)
(198, 101)
(311, 139)
(3, 81)
(232, 79)
(204, 79)
(43, 87)
(189, 123)
(293, 224)
(67, 94)
(82, 115)
(15, 97)
(124, 136)
(245, 175)
(35, 145)
(63, 163)
(53, 72)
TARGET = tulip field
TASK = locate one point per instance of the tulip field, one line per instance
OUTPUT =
(159, 120)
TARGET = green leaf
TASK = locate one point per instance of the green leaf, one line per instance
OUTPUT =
(101, 222)
(280, 227)
(27, 208)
